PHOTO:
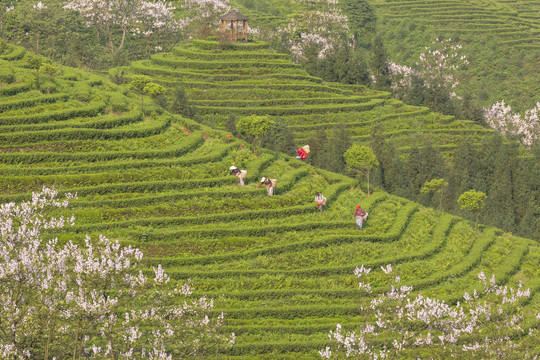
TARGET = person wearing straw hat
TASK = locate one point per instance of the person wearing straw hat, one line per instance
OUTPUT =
(360, 215)
(302, 152)
(240, 174)
(270, 185)
(320, 200)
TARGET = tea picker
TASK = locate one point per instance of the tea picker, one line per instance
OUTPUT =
(320, 200)
(360, 216)
(270, 185)
(240, 174)
(302, 152)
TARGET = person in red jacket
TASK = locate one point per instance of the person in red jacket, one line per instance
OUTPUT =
(360, 215)
(302, 154)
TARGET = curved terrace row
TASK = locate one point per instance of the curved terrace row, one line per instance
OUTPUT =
(234, 80)
(283, 270)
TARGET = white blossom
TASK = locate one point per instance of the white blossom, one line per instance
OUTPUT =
(500, 118)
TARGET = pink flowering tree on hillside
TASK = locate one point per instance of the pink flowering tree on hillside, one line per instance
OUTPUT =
(200, 18)
(527, 128)
(485, 325)
(91, 300)
(322, 24)
(126, 16)
(435, 73)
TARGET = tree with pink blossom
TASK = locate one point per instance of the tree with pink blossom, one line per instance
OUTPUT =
(126, 16)
(487, 324)
(434, 75)
(200, 18)
(501, 118)
(321, 24)
(90, 300)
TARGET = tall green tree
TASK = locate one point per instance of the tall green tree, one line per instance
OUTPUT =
(35, 62)
(360, 159)
(500, 204)
(472, 201)
(255, 127)
(464, 169)
(179, 103)
(362, 19)
(138, 85)
(154, 91)
(52, 71)
(335, 146)
(316, 145)
(437, 187)
(379, 63)
(279, 137)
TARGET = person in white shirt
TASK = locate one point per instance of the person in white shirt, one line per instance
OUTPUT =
(270, 184)
(320, 200)
(238, 173)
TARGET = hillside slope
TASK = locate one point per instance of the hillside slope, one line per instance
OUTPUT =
(233, 80)
(501, 40)
(284, 271)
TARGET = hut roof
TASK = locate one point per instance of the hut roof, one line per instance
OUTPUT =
(234, 15)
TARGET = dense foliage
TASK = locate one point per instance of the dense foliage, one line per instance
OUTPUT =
(226, 82)
(69, 300)
(282, 271)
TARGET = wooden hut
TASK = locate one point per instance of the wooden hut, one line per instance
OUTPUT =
(236, 21)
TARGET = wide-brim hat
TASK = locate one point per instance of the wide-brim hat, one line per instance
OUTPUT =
(232, 167)
(263, 179)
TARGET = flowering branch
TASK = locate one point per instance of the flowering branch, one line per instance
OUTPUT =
(480, 326)
(77, 301)
(500, 118)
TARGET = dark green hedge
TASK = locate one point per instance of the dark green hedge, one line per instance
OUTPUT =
(103, 122)
(14, 89)
(284, 101)
(22, 103)
(214, 45)
(162, 59)
(208, 56)
(90, 110)
(194, 140)
(286, 111)
(85, 133)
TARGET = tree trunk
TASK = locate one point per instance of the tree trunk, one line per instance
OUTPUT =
(51, 330)
(123, 39)
(368, 183)
(76, 339)
(111, 44)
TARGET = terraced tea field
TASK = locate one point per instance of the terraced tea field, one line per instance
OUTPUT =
(512, 22)
(234, 80)
(283, 272)
(501, 40)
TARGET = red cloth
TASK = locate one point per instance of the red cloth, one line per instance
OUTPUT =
(360, 212)
(302, 153)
